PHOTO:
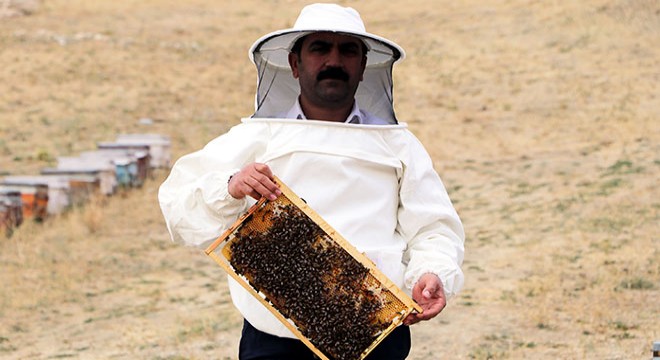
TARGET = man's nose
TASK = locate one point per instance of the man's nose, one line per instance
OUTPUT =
(333, 58)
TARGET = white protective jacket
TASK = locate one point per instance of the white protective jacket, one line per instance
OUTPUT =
(375, 185)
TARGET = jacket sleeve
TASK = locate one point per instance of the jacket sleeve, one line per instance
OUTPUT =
(429, 223)
(194, 198)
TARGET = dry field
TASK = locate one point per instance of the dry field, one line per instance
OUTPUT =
(543, 119)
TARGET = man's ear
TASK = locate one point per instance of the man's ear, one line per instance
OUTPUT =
(293, 63)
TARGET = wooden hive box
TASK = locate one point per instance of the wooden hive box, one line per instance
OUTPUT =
(159, 147)
(124, 161)
(103, 168)
(331, 296)
(58, 189)
(139, 151)
(34, 198)
(11, 210)
(83, 184)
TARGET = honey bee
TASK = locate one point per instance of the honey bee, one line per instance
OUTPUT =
(311, 280)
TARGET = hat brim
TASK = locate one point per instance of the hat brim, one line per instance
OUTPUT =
(278, 44)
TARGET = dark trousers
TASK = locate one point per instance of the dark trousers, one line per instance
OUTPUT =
(258, 345)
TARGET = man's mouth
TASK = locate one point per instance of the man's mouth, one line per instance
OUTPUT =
(332, 73)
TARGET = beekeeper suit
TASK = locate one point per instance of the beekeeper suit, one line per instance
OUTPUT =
(364, 172)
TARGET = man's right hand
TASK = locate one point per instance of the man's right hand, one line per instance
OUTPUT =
(255, 180)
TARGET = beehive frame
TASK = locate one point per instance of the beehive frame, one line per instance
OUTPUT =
(397, 304)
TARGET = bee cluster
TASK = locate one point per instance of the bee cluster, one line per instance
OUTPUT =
(311, 280)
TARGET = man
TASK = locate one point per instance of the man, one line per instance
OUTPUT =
(324, 123)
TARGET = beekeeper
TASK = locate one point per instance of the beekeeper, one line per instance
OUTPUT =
(325, 124)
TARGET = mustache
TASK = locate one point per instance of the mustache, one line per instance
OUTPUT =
(332, 73)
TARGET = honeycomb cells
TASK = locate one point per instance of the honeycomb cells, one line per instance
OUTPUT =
(311, 280)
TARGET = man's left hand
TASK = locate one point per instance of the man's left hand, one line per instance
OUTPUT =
(429, 293)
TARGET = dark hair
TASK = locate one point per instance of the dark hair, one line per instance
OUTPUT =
(297, 46)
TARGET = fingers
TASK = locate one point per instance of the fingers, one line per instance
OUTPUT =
(429, 310)
(254, 180)
(411, 319)
(429, 294)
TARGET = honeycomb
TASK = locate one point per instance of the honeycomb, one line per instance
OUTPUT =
(331, 296)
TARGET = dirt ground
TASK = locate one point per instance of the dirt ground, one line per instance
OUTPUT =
(542, 119)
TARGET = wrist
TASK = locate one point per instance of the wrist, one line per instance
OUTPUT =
(229, 187)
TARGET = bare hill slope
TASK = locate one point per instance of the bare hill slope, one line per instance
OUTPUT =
(542, 117)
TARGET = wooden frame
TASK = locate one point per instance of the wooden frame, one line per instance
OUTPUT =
(219, 252)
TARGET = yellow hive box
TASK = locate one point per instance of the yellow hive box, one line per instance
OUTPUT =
(331, 296)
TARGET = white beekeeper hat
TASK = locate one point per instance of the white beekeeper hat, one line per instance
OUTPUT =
(277, 90)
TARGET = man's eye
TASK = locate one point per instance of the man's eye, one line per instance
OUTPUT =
(318, 48)
(350, 50)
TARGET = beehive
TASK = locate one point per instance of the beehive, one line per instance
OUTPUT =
(159, 147)
(331, 296)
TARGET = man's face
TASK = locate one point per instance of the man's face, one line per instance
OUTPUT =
(329, 68)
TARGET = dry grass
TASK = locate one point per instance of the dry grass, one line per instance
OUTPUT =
(542, 119)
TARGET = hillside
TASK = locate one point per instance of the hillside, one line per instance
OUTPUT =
(542, 119)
